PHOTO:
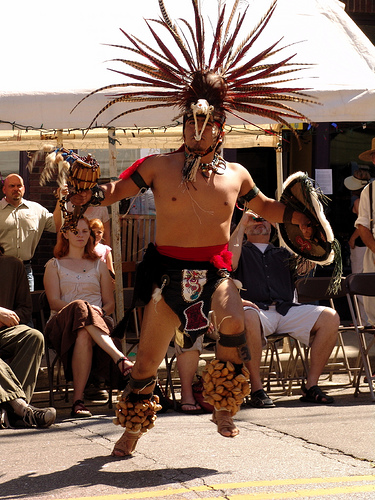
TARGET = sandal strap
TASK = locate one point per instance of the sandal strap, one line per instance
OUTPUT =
(125, 370)
(126, 444)
(80, 405)
(223, 420)
(316, 393)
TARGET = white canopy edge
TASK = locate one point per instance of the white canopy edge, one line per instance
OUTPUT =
(246, 136)
(52, 111)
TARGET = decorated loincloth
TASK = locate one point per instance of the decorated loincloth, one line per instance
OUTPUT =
(187, 287)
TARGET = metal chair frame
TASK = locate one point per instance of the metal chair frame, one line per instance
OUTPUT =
(273, 367)
(362, 284)
(318, 289)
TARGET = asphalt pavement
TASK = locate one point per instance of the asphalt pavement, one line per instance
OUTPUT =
(295, 450)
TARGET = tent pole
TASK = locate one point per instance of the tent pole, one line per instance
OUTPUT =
(116, 229)
(60, 144)
(280, 180)
(279, 166)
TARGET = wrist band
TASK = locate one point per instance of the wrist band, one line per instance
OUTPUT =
(97, 196)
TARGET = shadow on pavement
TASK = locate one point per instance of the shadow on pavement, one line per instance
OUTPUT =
(89, 472)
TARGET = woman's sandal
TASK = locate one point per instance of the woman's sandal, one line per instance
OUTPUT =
(125, 446)
(79, 410)
(315, 395)
(125, 370)
(225, 426)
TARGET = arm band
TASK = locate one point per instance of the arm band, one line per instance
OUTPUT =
(138, 180)
(288, 214)
(249, 196)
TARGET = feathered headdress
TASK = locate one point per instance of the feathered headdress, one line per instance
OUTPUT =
(228, 76)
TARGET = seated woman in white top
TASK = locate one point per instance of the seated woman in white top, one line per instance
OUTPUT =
(80, 294)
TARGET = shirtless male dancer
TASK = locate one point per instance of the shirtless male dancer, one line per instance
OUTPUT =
(192, 224)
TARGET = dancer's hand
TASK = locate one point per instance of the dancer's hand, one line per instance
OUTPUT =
(81, 198)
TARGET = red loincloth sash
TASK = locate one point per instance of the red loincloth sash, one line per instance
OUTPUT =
(218, 255)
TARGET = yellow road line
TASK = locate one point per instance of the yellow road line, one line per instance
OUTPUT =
(283, 482)
(345, 490)
(254, 484)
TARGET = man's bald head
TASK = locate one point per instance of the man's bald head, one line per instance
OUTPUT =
(14, 189)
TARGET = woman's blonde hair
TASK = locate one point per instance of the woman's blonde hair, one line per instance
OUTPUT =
(62, 246)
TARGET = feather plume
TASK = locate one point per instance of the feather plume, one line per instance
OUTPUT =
(55, 167)
(235, 79)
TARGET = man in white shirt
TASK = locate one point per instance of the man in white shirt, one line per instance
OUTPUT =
(22, 223)
(366, 228)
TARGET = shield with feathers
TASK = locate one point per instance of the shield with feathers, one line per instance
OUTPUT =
(314, 241)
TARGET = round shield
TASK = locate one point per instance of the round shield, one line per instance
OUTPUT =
(313, 241)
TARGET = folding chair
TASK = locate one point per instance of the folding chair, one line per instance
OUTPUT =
(273, 368)
(137, 232)
(41, 312)
(362, 284)
(171, 383)
(133, 329)
(315, 289)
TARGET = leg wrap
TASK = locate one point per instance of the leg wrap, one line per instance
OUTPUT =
(238, 340)
(137, 385)
(137, 412)
(225, 385)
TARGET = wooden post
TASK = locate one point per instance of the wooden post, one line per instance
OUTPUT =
(60, 144)
(116, 228)
(280, 180)
(279, 166)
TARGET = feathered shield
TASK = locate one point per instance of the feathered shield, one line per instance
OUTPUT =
(314, 241)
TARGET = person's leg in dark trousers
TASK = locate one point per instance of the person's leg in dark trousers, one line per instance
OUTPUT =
(23, 346)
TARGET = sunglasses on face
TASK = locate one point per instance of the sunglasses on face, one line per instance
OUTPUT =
(258, 219)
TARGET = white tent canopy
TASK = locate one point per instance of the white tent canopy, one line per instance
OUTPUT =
(55, 56)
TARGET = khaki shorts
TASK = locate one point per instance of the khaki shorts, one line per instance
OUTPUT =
(297, 322)
(197, 346)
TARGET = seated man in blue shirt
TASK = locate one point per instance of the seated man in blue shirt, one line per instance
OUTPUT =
(268, 296)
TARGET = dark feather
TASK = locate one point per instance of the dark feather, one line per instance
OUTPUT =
(217, 37)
